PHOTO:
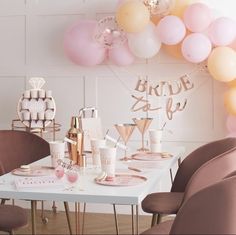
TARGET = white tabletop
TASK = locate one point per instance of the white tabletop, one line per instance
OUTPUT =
(91, 191)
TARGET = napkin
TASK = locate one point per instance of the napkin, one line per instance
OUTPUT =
(45, 182)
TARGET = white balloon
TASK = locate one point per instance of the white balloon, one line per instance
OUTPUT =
(145, 44)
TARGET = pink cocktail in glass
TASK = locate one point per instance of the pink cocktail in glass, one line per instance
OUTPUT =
(72, 176)
(59, 172)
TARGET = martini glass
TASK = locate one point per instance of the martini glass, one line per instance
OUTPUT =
(125, 131)
(142, 124)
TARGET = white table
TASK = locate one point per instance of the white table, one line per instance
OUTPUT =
(93, 192)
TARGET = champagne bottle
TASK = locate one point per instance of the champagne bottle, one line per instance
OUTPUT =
(75, 133)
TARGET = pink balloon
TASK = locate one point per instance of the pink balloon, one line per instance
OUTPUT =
(231, 123)
(120, 2)
(197, 17)
(196, 47)
(121, 55)
(230, 135)
(171, 30)
(222, 31)
(233, 45)
(80, 46)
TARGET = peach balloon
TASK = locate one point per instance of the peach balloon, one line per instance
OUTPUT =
(174, 50)
(222, 64)
(155, 19)
(230, 101)
(233, 45)
(179, 8)
(232, 83)
(133, 16)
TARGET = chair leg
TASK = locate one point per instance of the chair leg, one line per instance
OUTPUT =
(54, 207)
(116, 219)
(159, 218)
(179, 161)
(66, 205)
(3, 201)
(154, 219)
(171, 176)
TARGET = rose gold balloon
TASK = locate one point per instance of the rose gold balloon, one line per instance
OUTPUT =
(108, 34)
(159, 7)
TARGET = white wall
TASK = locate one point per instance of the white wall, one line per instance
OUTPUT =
(31, 44)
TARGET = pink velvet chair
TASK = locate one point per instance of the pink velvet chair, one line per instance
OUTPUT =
(21, 148)
(12, 218)
(159, 204)
(211, 210)
(212, 172)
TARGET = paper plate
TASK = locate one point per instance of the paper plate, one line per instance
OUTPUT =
(123, 180)
(149, 156)
(34, 171)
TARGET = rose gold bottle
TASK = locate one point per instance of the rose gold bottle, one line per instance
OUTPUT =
(76, 134)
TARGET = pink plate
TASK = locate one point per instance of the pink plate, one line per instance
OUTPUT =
(148, 156)
(123, 180)
(34, 171)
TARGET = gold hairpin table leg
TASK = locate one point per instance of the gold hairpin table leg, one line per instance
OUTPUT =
(137, 220)
(77, 217)
(132, 217)
(83, 221)
(33, 216)
(116, 219)
(67, 210)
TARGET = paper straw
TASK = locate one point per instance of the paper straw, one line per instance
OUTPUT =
(122, 146)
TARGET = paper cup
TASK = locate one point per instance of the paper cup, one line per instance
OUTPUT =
(34, 94)
(156, 148)
(50, 104)
(33, 115)
(49, 94)
(42, 94)
(95, 145)
(26, 115)
(41, 115)
(108, 161)
(27, 94)
(57, 151)
(24, 104)
(155, 136)
(49, 115)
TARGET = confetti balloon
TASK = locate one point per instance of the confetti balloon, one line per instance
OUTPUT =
(159, 7)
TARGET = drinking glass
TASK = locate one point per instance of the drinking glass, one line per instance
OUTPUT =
(59, 171)
(72, 176)
(125, 131)
(142, 125)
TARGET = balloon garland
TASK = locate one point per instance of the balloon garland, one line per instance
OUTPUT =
(140, 28)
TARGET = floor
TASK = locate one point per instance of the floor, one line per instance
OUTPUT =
(94, 224)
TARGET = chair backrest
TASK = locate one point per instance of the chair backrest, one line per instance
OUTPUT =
(209, 211)
(197, 158)
(212, 172)
(19, 148)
